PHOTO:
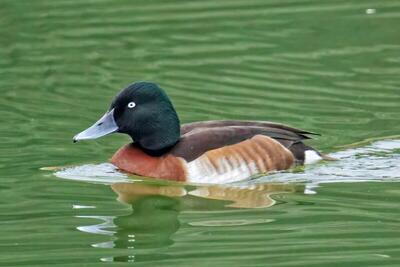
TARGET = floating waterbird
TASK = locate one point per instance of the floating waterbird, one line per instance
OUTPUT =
(198, 152)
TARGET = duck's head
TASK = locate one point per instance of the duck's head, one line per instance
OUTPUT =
(144, 112)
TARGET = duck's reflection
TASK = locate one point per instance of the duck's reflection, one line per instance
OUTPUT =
(234, 196)
(153, 220)
(154, 217)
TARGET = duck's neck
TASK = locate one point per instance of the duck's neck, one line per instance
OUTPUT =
(158, 137)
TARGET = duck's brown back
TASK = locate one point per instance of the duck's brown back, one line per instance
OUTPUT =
(200, 137)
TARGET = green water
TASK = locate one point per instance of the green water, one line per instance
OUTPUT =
(331, 67)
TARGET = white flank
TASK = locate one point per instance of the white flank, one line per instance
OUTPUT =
(202, 171)
(310, 157)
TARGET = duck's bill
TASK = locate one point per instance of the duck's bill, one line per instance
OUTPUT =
(106, 125)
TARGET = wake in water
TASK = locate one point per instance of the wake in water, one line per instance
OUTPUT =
(379, 161)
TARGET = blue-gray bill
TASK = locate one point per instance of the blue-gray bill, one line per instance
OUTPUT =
(105, 125)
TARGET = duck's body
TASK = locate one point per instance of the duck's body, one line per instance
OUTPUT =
(219, 151)
(200, 152)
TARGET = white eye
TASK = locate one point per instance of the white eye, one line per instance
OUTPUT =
(131, 104)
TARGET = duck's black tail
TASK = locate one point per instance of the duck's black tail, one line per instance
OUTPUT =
(303, 152)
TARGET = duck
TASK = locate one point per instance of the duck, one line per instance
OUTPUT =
(213, 152)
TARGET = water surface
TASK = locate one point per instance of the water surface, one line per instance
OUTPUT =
(326, 66)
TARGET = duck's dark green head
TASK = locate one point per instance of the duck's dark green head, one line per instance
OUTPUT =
(143, 111)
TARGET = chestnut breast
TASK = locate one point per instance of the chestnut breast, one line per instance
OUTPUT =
(132, 159)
